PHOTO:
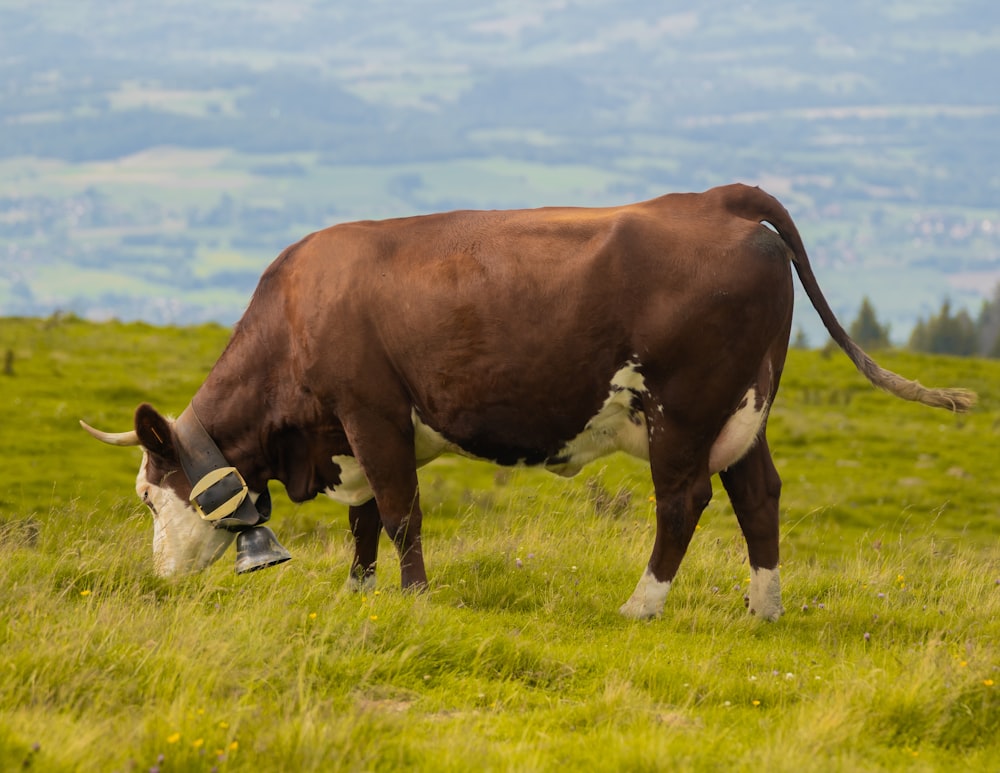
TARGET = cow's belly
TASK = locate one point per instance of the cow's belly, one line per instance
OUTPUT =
(618, 426)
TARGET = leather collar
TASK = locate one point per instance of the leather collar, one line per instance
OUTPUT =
(219, 492)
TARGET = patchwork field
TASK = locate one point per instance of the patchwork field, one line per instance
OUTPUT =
(887, 658)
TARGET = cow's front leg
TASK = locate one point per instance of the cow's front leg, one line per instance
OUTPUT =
(404, 532)
(678, 509)
(385, 452)
(366, 527)
(402, 524)
(754, 489)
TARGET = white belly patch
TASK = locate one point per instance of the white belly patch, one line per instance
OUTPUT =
(739, 434)
(353, 488)
(616, 427)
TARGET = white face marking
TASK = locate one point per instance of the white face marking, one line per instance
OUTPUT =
(647, 599)
(182, 541)
(739, 434)
(765, 594)
(614, 428)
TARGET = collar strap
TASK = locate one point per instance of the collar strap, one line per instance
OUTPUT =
(218, 491)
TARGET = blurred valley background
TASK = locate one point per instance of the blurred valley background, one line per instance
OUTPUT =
(155, 157)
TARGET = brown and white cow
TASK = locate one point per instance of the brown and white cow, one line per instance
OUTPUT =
(544, 337)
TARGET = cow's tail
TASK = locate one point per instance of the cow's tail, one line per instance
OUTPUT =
(755, 204)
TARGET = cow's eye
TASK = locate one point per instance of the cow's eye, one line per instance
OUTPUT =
(147, 501)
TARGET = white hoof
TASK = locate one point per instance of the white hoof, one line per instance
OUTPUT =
(765, 594)
(647, 599)
(361, 584)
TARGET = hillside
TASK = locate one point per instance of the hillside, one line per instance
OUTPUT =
(887, 658)
(155, 160)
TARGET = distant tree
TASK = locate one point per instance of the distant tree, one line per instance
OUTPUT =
(866, 330)
(919, 341)
(800, 340)
(946, 333)
(988, 326)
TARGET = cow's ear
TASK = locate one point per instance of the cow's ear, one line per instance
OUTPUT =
(155, 433)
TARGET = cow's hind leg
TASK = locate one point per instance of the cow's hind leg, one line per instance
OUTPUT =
(754, 488)
(683, 488)
(366, 527)
(677, 514)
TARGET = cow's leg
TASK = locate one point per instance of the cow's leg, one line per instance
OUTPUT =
(385, 452)
(366, 526)
(683, 488)
(401, 518)
(754, 488)
(678, 509)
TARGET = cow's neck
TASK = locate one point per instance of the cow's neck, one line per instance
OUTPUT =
(232, 402)
(233, 419)
(265, 429)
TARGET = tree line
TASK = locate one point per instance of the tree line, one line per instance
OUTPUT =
(947, 332)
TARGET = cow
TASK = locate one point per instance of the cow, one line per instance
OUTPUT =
(547, 337)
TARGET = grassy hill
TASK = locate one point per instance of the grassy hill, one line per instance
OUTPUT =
(887, 658)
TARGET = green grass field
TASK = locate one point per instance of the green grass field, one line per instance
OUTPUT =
(888, 656)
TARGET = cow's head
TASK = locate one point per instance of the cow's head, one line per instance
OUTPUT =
(182, 540)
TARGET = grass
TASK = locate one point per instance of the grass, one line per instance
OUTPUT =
(887, 657)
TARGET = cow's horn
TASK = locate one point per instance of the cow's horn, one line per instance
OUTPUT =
(113, 438)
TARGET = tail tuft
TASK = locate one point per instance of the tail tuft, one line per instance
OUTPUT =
(954, 399)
